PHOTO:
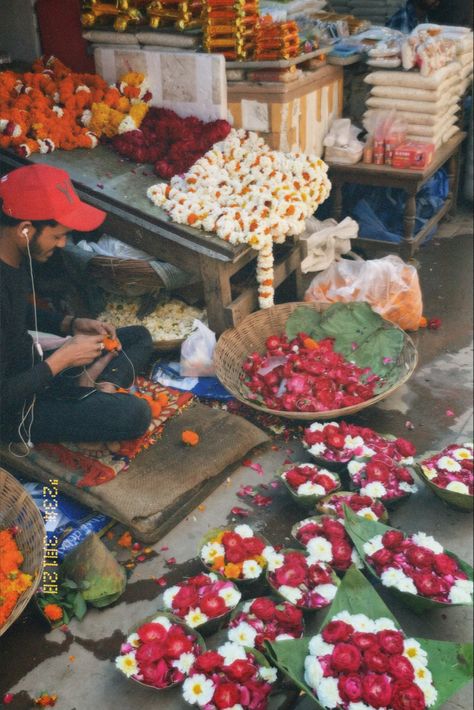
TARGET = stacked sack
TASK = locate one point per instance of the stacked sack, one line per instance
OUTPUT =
(229, 27)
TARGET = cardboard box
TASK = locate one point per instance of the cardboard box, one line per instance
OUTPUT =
(413, 156)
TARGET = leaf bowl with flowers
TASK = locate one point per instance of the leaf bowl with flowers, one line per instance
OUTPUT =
(415, 567)
(204, 601)
(326, 540)
(309, 483)
(382, 478)
(159, 651)
(303, 580)
(264, 619)
(361, 658)
(365, 506)
(449, 474)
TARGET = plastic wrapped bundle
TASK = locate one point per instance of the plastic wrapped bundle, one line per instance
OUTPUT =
(229, 27)
(180, 13)
(276, 40)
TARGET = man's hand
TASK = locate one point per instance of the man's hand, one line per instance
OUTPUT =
(76, 352)
(88, 326)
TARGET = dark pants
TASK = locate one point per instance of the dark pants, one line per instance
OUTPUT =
(100, 416)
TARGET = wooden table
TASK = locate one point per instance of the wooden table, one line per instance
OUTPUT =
(409, 180)
(118, 187)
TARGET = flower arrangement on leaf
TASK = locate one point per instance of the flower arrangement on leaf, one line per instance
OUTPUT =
(303, 580)
(201, 598)
(365, 506)
(416, 566)
(381, 477)
(13, 582)
(262, 619)
(230, 677)
(236, 554)
(160, 652)
(449, 474)
(326, 540)
(247, 193)
(171, 143)
(309, 483)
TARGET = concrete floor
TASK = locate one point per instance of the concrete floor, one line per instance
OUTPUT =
(77, 665)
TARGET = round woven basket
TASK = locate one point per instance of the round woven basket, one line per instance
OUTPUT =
(17, 508)
(126, 277)
(236, 344)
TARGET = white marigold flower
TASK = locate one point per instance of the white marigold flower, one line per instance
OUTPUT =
(429, 472)
(269, 675)
(210, 551)
(127, 663)
(431, 695)
(353, 442)
(318, 646)
(317, 449)
(392, 577)
(251, 569)
(134, 640)
(458, 487)
(407, 487)
(244, 634)
(328, 693)
(328, 591)
(313, 672)
(310, 489)
(243, 530)
(163, 620)
(449, 464)
(384, 624)
(362, 623)
(415, 653)
(354, 467)
(428, 541)
(198, 690)
(230, 595)
(367, 513)
(373, 545)
(374, 489)
(292, 594)
(319, 549)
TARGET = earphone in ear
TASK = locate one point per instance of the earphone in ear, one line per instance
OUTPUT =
(25, 232)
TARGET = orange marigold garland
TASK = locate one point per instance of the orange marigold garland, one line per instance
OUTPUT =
(13, 582)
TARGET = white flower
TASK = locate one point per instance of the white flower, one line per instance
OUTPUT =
(236, 707)
(313, 672)
(458, 487)
(407, 585)
(231, 652)
(310, 489)
(429, 472)
(423, 677)
(169, 595)
(273, 558)
(465, 584)
(367, 452)
(449, 464)
(362, 623)
(243, 634)
(425, 540)
(320, 549)
(210, 551)
(460, 593)
(367, 513)
(353, 442)
(163, 620)
(373, 545)
(354, 467)
(317, 449)
(413, 650)
(195, 617)
(343, 616)
(328, 591)
(293, 594)
(407, 487)
(374, 489)
(230, 595)
(359, 706)
(393, 577)
(184, 662)
(317, 426)
(328, 693)
(269, 675)
(355, 559)
(198, 690)
(431, 695)
(284, 637)
(318, 646)
(384, 624)
(134, 640)
(246, 606)
(127, 663)
(243, 530)
(251, 569)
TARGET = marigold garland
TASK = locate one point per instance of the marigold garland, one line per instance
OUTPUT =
(13, 582)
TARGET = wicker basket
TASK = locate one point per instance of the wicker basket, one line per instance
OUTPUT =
(250, 335)
(17, 508)
(125, 277)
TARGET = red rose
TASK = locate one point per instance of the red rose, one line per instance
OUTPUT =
(357, 502)
(177, 643)
(295, 479)
(337, 631)
(290, 574)
(208, 662)
(377, 471)
(317, 574)
(235, 554)
(150, 652)
(419, 556)
(328, 483)
(240, 671)
(156, 673)
(335, 441)
(382, 558)
(405, 447)
(213, 605)
(199, 580)
(428, 584)
(226, 695)
(391, 642)
(403, 474)
(407, 696)
(341, 554)
(365, 640)
(444, 564)
(253, 545)
(346, 657)
(393, 539)
(401, 668)
(152, 632)
(377, 690)
(310, 530)
(350, 687)
(313, 437)
(232, 541)
(376, 661)
(333, 528)
(186, 598)
(289, 616)
(263, 608)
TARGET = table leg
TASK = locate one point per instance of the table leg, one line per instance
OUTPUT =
(453, 181)
(217, 291)
(407, 247)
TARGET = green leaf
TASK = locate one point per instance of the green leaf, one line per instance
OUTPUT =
(460, 501)
(69, 584)
(450, 664)
(350, 323)
(382, 344)
(80, 607)
(304, 320)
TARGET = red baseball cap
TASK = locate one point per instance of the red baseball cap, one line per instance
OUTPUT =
(41, 192)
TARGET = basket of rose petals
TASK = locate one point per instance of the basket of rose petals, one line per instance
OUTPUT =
(236, 553)
(326, 540)
(449, 474)
(383, 478)
(415, 567)
(362, 659)
(303, 580)
(204, 601)
(159, 651)
(264, 619)
(308, 483)
(314, 361)
(365, 506)
(230, 677)
(333, 445)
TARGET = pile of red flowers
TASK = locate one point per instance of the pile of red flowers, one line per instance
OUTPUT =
(452, 469)
(305, 375)
(381, 477)
(271, 622)
(365, 506)
(172, 143)
(310, 480)
(326, 540)
(200, 598)
(236, 554)
(304, 581)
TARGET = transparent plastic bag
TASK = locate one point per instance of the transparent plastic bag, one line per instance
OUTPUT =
(197, 352)
(389, 285)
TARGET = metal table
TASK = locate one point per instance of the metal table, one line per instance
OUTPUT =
(118, 187)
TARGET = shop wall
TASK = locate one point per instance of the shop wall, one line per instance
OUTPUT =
(18, 30)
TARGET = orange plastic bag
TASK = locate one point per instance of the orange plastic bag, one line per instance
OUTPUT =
(389, 285)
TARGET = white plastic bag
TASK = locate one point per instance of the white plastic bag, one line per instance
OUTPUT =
(197, 352)
(326, 241)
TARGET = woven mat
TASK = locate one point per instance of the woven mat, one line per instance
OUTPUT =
(165, 481)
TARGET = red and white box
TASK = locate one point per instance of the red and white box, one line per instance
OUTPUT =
(413, 155)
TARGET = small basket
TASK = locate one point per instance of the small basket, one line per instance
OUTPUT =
(126, 277)
(17, 508)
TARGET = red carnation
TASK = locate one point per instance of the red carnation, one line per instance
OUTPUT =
(376, 661)
(391, 642)
(334, 528)
(317, 574)
(405, 447)
(337, 631)
(177, 643)
(346, 657)
(377, 471)
(444, 564)
(382, 558)
(263, 608)
(295, 479)
(419, 556)
(186, 598)
(403, 474)
(208, 662)
(290, 574)
(365, 640)
(235, 554)
(342, 554)
(152, 632)
(150, 652)
(199, 580)
(377, 690)
(407, 696)
(226, 695)
(290, 616)
(350, 687)
(335, 441)
(253, 545)
(240, 670)
(156, 673)
(393, 539)
(213, 605)
(231, 540)
(401, 668)
(428, 584)
(327, 482)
